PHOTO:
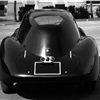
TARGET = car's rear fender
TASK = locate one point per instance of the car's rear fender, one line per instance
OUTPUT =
(86, 50)
(12, 48)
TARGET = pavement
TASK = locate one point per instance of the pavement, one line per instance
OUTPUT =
(7, 20)
(90, 19)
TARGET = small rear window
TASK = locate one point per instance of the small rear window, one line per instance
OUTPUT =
(51, 20)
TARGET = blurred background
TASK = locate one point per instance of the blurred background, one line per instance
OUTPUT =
(81, 9)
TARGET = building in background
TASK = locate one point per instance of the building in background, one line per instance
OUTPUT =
(3, 8)
(92, 6)
(40, 3)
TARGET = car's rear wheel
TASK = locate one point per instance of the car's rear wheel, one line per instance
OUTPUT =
(7, 88)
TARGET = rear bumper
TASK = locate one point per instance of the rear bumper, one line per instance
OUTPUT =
(49, 79)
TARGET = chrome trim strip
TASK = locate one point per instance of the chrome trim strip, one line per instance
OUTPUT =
(71, 55)
(25, 53)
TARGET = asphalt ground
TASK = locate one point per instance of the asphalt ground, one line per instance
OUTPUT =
(91, 28)
(7, 20)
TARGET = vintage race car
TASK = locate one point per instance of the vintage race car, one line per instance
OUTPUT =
(48, 47)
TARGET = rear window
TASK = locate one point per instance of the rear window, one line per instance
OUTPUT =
(51, 20)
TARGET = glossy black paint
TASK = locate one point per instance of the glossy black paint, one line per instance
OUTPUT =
(59, 39)
(64, 41)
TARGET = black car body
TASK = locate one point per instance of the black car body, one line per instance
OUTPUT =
(48, 47)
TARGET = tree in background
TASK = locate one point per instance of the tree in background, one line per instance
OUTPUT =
(83, 12)
(98, 12)
(79, 13)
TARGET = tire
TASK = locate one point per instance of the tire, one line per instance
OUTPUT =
(15, 32)
(82, 33)
(7, 88)
(89, 86)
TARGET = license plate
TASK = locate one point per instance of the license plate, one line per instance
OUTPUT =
(47, 68)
